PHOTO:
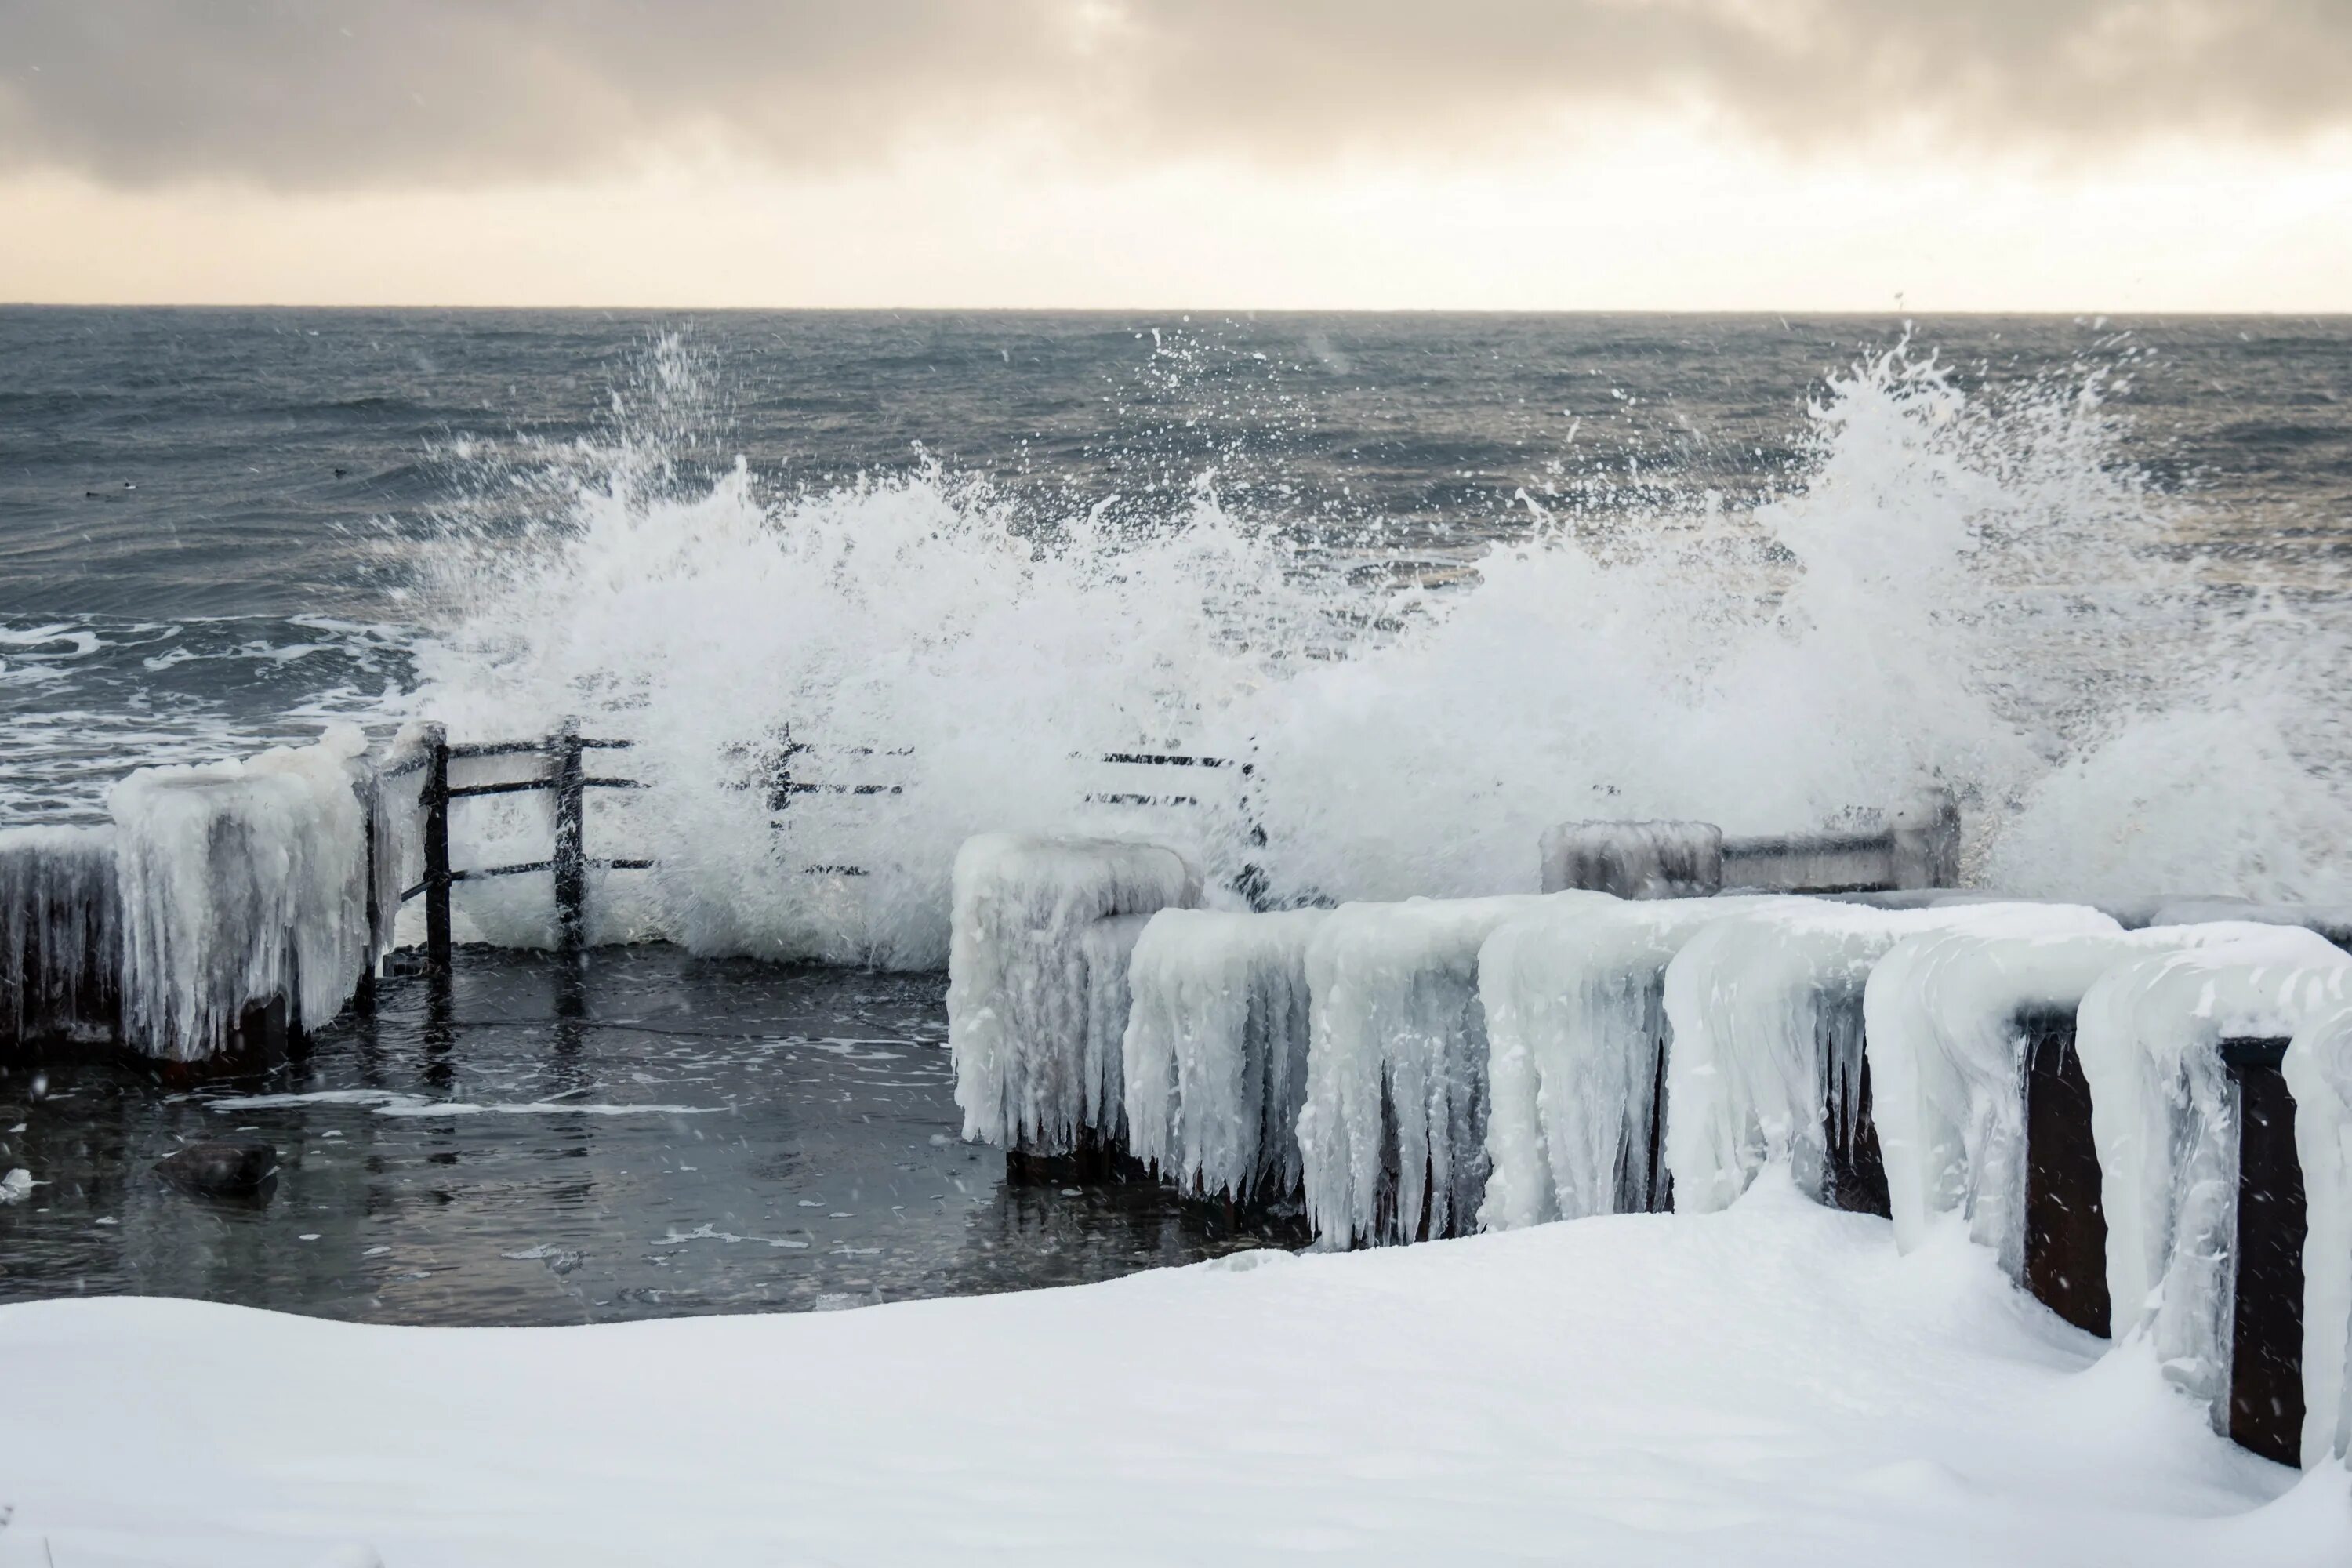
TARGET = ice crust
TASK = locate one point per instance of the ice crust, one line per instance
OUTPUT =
(241, 881)
(1634, 859)
(1216, 1046)
(1572, 996)
(1393, 1134)
(2164, 1118)
(1765, 1010)
(60, 932)
(1041, 929)
(2318, 1070)
(1947, 1062)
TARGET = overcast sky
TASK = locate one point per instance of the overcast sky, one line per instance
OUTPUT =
(2072, 154)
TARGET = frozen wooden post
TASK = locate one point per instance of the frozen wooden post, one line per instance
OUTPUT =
(435, 797)
(2066, 1225)
(2265, 1411)
(567, 778)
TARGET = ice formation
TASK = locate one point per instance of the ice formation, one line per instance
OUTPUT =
(1216, 1051)
(1040, 933)
(1575, 1025)
(1393, 1133)
(1947, 1062)
(241, 882)
(2163, 1115)
(1634, 859)
(1766, 1008)
(60, 932)
(2318, 1070)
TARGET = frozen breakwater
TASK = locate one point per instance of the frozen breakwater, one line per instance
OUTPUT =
(2097, 1103)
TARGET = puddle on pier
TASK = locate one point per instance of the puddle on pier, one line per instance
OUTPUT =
(650, 1135)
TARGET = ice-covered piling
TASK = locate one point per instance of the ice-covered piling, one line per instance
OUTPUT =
(61, 934)
(1577, 1037)
(1040, 931)
(2318, 1071)
(1766, 1009)
(1947, 1055)
(2151, 1036)
(1216, 1046)
(243, 884)
(1394, 1130)
(1634, 859)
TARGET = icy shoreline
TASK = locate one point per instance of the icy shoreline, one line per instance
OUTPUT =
(1773, 1383)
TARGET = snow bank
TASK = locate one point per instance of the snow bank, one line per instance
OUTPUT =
(241, 881)
(1947, 1062)
(60, 932)
(1766, 1008)
(1634, 859)
(1215, 1050)
(1037, 980)
(1769, 1388)
(2318, 1070)
(2164, 1119)
(1393, 1134)
(1575, 1025)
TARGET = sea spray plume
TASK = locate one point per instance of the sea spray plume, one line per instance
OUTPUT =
(1957, 581)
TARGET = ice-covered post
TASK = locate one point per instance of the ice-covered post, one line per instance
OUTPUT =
(2266, 1397)
(1634, 859)
(566, 779)
(434, 738)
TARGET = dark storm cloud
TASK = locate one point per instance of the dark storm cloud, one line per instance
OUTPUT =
(439, 91)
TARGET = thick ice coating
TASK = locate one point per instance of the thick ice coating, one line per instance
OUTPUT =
(1216, 1047)
(1766, 1009)
(60, 932)
(1393, 1133)
(241, 881)
(1947, 1062)
(2318, 1070)
(1575, 1025)
(2164, 1119)
(1634, 859)
(1037, 980)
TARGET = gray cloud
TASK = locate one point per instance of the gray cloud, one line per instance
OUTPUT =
(441, 92)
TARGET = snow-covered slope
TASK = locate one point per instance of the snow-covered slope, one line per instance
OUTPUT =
(1773, 1384)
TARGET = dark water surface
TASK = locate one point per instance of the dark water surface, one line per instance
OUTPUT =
(649, 1135)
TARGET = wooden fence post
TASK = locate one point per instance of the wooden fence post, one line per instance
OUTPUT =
(566, 777)
(436, 794)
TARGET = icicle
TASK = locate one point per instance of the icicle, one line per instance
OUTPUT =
(1766, 1012)
(1216, 1049)
(1037, 980)
(2318, 1070)
(1947, 1063)
(1393, 1133)
(1575, 1021)
(240, 882)
(60, 933)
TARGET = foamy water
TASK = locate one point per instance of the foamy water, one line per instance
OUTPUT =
(1437, 584)
(1970, 590)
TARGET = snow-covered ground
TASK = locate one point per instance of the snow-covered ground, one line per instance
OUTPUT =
(1772, 1384)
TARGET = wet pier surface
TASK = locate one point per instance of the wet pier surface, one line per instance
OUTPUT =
(646, 1135)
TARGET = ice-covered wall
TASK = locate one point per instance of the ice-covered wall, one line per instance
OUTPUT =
(1633, 859)
(1393, 1132)
(241, 881)
(60, 932)
(1574, 1005)
(1767, 1015)
(2318, 1070)
(2164, 1121)
(1948, 1067)
(1215, 1050)
(1037, 980)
